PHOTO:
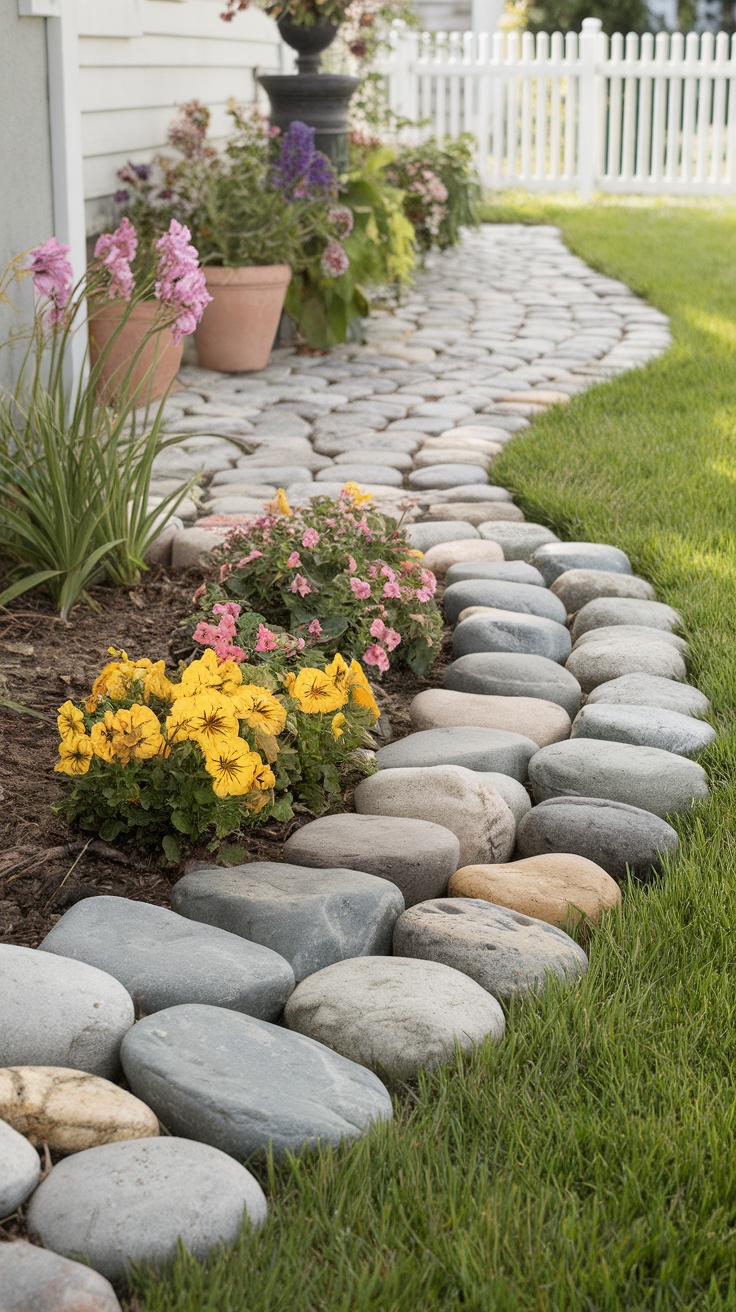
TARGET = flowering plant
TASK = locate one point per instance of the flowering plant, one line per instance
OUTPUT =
(336, 571)
(223, 747)
(178, 282)
(441, 192)
(304, 12)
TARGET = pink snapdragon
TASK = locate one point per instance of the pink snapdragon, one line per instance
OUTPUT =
(265, 639)
(315, 629)
(361, 589)
(52, 276)
(375, 655)
(180, 285)
(388, 636)
(116, 250)
(310, 537)
(301, 585)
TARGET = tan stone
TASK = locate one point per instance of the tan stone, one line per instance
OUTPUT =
(557, 887)
(440, 558)
(535, 718)
(71, 1110)
(474, 512)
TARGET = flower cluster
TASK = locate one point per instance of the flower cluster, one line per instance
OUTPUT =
(180, 285)
(440, 187)
(52, 276)
(117, 250)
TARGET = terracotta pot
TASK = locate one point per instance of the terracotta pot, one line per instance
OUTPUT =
(239, 326)
(158, 362)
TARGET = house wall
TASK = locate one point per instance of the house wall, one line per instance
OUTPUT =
(140, 59)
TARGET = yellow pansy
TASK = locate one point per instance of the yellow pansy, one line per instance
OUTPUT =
(259, 708)
(70, 721)
(113, 681)
(104, 737)
(338, 670)
(337, 725)
(75, 755)
(139, 734)
(264, 778)
(233, 767)
(314, 692)
(154, 679)
(212, 722)
(207, 674)
(355, 494)
(289, 681)
(360, 689)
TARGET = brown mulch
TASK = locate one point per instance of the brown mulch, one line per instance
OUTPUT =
(45, 865)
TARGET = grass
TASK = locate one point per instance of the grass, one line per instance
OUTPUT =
(589, 1162)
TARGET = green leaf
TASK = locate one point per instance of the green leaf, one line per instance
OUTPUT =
(172, 848)
(24, 710)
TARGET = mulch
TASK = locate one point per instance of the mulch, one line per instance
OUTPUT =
(45, 864)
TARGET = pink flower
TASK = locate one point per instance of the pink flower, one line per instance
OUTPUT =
(424, 594)
(391, 638)
(310, 538)
(247, 560)
(294, 560)
(392, 590)
(361, 589)
(315, 629)
(334, 260)
(225, 571)
(388, 573)
(116, 250)
(377, 629)
(226, 608)
(301, 585)
(180, 285)
(225, 651)
(330, 523)
(352, 564)
(52, 276)
(199, 593)
(265, 639)
(341, 218)
(205, 633)
(429, 581)
(375, 655)
(372, 571)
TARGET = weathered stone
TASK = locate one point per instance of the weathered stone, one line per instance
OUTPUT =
(439, 708)
(464, 802)
(467, 457)
(559, 888)
(57, 1012)
(503, 951)
(418, 856)
(644, 726)
(651, 690)
(395, 1015)
(507, 571)
(356, 443)
(504, 675)
(354, 472)
(476, 514)
(519, 541)
(646, 777)
(576, 587)
(311, 919)
(554, 559)
(446, 555)
(441, 476)
(361, 456)
(612, 834)
(605, 612)
(192, 546)
(70, 1110)
(163, 959)
(522, 598)
(433, 533)
(607, 658)
(503, 630)
(242, 1084)
(34, 1280)
(20, 1168)
(513, 793)
(474, 748)
(481, 493)
(125, 1203)
(624, 634)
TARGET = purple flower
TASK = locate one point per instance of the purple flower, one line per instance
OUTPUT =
(52, 276)
(180, 285)
(302, 171)
(334, 260)
(341, 218)
(142, 171)
(116, 250)
(121, 196)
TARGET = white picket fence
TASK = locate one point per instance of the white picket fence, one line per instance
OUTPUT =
(651, 114)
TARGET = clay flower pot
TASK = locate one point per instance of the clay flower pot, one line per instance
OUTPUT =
(239, 326)
(158, 363)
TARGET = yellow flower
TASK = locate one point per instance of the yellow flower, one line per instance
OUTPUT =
(139, 734)
(233, 767)
(356, 496)
(338, 671)
(113, 681)
(208, 675)
(360, 689)
(259, 708)
(337, 723)
(155, 682)
(264, 778)
(70, 721)
(314, 691)
(212, 722)
(289, 681)
(75, 755)
(104, 737)
(281, 503)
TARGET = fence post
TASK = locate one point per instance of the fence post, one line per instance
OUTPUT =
(588, 108)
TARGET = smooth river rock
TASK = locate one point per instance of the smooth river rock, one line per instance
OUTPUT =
(608, 611)
(439, 708)
(626, 634)
(576, 587)
(32, 1279)
(559, 888)
(651, 690)
(519, 541)
(644, 726)
(513, 793)
(20, 1168)
(432, 533)
(125, 1203)
(553, 559)
(476, 749)
(508, 571)
(464, 802)
(521, 598)
(71, 1110)
(57, 1012)
(449, 555)
(503, 951)
(474, 512)
(443, 476)
(504, 675)
(647, 777)
(395, 1015)
(242, 1084)
(164, 959)
(612, 834)
(311, 919)
(596, 662)
(502, 630)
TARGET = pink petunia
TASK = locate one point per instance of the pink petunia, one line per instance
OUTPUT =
(266, 640)
(377, 630)
(388, 573)
(301, 585)
(392, 590)
(375, 655)
(294, 560)
(315, 629)
(352, 564)
(361, 589)
(429, 581)
(423, 594)
(310, 538)
(391, 638)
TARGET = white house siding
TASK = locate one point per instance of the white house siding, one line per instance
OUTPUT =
(140, 59)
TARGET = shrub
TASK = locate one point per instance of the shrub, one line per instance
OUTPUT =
(440, 187)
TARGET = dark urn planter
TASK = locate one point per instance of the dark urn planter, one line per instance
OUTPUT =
(318, 99)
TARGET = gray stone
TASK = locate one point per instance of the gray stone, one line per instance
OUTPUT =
(430, 457)
(646, 777)
(608, 612)
(465, 803)
(430, 534)
(520, 598)
(396, 1015)
(442, 476)
(34, 1280)
(513, 793)
(192, 546)
(502, 630)
(358, 442)
(576, 587)
(598, 662)
(505, 675)
(477, 492)
(612, 834)
(625, 634)
(519, 541)
(279, 474)
(386, 475)
(57, 1012)
(505, 952)
(418, 856)
(475, 749)
(440, 708)
(163, 959)
(374, 456)
(20, 1168)
(125, 1203)
(651, 690)
(475, 514)
(644, 726)
(554, 559)
(242, 1084)
(310, 918)
(506, 571)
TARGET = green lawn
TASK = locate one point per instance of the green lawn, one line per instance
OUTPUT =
(589, 1162)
